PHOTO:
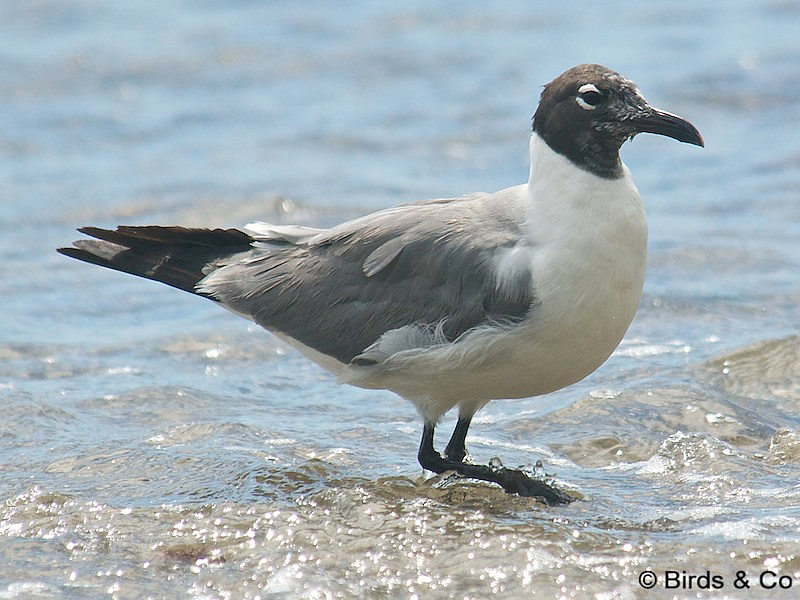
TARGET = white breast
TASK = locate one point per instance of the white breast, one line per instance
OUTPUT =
(589, 255)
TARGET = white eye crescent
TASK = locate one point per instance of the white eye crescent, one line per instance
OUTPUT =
(588, 96)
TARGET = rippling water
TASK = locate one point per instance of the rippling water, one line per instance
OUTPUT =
(153, 445)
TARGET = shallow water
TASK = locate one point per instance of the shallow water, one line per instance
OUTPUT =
(152, 445)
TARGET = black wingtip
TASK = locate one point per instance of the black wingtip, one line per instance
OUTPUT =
(71, 252)
(176, 256)
(92, 231)
(86, 256)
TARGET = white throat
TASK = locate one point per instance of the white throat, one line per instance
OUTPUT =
(564, 198)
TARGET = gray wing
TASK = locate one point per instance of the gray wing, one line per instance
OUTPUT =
(429, 265)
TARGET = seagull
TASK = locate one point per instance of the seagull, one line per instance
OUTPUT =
(450, 302)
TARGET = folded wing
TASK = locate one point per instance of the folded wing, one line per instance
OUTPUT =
(417, 275)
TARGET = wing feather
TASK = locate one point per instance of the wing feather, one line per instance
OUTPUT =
(428, 266)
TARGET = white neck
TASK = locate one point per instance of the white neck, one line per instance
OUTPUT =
(563, 194)
(544, 160)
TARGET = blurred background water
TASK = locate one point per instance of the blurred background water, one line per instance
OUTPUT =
(152, 445)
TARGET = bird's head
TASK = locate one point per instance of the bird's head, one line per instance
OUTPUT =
(589, 111)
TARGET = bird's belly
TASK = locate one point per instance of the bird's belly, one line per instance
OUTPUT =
(578, 321)
(574, 326)
(566, 338)
(560, 345)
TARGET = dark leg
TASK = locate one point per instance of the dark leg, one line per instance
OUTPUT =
(456, 450)
(510, 480)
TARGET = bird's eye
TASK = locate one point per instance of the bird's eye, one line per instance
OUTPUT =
(589, 97)
(593, 98)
